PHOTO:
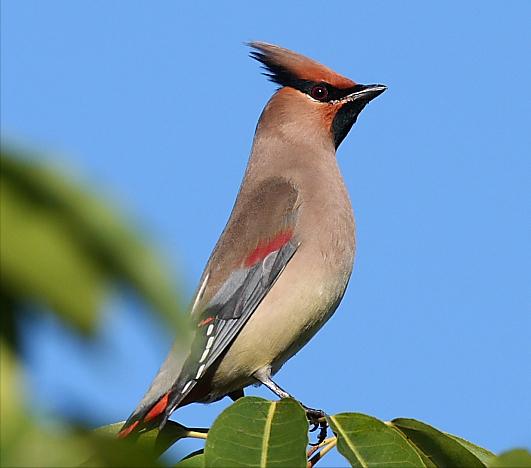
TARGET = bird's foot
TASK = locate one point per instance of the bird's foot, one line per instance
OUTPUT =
(318, 420)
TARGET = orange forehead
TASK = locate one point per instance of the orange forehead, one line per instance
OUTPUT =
(314, 71)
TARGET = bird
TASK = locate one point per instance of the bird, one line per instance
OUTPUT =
(283, 261)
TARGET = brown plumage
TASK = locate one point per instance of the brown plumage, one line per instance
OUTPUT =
(283, 261)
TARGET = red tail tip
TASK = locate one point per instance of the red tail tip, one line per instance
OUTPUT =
(127, 430)
(157, 409)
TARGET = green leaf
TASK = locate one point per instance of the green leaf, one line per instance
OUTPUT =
(366, 442)
(258, 432)
(440, 448)
(193, 460)
(153, 440)
(517, 458)
(483, 454)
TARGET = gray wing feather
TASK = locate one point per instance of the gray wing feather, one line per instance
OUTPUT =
(232, 306)
(234, 314)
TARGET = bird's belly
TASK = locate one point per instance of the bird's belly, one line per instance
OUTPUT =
(297, 306)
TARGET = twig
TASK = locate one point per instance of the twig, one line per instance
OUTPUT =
(312, 462)
(314, 448)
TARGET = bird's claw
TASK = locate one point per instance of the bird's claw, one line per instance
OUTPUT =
(323, 425)
(317, 419)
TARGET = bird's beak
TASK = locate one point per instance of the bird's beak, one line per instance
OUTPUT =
(365, 93)
(349, 108)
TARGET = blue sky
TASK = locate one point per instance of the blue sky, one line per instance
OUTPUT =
(155, 103)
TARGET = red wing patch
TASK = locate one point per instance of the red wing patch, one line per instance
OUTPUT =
(265, 248)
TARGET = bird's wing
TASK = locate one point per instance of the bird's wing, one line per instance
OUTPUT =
(256, 245)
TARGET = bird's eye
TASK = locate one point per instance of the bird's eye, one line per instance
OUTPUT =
(319, 92)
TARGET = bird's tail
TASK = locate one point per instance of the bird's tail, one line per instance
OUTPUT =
(146, 417)
(162, 398)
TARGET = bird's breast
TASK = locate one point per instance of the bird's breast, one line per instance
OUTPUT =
(305, 295)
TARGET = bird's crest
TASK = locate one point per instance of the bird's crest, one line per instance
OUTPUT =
(288, 68)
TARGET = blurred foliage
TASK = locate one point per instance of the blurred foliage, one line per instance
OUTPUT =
(154, 441)
(517, 458)
(25, 442)
(62, 249)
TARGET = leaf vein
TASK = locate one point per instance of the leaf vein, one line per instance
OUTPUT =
(267, 434)
(340, 429)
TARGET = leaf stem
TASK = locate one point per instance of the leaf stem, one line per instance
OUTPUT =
(197, 433)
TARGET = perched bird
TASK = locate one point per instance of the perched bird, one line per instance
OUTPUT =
(283, 261)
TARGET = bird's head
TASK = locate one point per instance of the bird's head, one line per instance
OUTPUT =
(312, 98)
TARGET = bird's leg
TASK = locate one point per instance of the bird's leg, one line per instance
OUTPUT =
(264, 377)
(315, 416)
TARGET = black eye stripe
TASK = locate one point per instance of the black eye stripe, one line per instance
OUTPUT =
(333, 93)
